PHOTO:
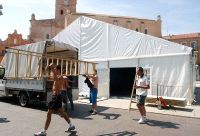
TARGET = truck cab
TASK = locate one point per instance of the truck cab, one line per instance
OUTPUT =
(2, 82)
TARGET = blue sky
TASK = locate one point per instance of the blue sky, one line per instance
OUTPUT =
(178, 16)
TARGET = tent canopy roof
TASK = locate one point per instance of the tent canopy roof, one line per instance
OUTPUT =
(99, 40)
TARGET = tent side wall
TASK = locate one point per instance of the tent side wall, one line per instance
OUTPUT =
(9, 60)
(171, 75)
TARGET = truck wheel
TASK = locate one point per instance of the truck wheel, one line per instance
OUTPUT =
(23, 99)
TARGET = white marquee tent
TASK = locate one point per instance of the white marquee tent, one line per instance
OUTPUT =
(170, 64)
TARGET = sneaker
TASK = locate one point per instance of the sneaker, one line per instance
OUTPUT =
(42, 133)
(72, 127)
(142, 120)
(94, 112)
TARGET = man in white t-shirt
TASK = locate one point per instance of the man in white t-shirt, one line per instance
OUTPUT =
(141, 93)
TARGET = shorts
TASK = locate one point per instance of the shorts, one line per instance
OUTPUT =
(93, 95)
(140, 99)
(64, 96)
(56, 102)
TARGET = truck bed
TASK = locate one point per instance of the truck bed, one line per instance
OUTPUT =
(26, 84)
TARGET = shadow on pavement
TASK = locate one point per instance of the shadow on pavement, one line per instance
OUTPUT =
(4, 120)
(33, 105)
(180, 109)
(72, 133)
(82, 111)
(161, 124)
(11, 100)
(110, 116)
(123, 133)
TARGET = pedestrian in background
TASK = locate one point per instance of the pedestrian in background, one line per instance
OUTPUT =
(141, 93)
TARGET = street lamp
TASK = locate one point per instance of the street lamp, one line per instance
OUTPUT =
(1, 7)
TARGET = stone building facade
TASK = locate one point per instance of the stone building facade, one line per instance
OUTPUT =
(13, 39)
(191, 40)
(65, 14)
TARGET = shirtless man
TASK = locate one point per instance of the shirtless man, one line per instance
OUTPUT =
(93, 92)
(55, 105)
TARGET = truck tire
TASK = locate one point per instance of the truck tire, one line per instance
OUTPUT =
(23, 99)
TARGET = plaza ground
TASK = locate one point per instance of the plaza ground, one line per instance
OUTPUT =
(110, 121)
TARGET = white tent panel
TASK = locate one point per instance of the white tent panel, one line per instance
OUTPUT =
(71, 35)
(104, 83)
(9, 60)
(172, 77)
(127, 43)
(104, 78)
(93, 39)
(123, 42)
(123, 63)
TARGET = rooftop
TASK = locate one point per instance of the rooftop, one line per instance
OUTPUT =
(182, 36)
(115, 16)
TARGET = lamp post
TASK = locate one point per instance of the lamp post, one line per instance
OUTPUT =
(1, 7)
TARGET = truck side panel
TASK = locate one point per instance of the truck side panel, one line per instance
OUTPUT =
(29, 85)
(3, 91)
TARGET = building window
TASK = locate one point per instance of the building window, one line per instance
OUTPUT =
(129, 24)
(61, 12)
(15, 41)
(136, 29)
(184, 43)
(142, 26)
(146, 31)
(115, 22)
(194, 45)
